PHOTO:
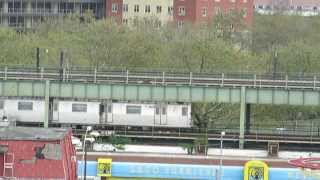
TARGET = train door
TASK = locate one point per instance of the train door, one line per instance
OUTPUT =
(109, 114)
(2, 112)
(184, 113)
(157, 115)
(55, 111)
(102, 116)
(160, 115)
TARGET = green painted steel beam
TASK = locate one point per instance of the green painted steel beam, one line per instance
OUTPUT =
(139, 92)
(172, 93)
(242, 117)
(46, 104)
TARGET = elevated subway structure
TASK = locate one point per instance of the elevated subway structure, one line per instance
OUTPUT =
(114, 84)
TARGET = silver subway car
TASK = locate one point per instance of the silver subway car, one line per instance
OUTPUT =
(67, 112)
(159, 115)
(24, 110)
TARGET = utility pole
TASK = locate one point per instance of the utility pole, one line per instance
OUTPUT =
(61, 65)
(221, 154)
(38, 58)
(275, 63)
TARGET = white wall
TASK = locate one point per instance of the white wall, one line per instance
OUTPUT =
(164, 17)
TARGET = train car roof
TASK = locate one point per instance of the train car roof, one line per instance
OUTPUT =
(31, 133)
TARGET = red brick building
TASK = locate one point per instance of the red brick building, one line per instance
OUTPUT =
(191, 11)
(114, 9)
(37, 153)
(198, 11)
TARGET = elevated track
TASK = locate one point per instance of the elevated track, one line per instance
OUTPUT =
(158, 86)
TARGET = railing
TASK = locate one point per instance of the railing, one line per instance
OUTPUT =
(39, 11)
(123, 76)
(232, 134)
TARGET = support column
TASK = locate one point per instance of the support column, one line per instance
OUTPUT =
(55, 7)
(77, 8)
(248, 113)
(28, 18)
(242, 116)
(46, 108)
(5, 7)
(29, 7)
(5, 11)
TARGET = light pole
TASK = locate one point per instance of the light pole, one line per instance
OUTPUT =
(221, 154)
(84, 153)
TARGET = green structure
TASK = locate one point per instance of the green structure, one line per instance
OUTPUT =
(243, 89)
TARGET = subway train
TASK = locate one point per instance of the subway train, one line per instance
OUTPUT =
(81, 113)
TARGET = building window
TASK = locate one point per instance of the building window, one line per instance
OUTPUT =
(158, 24)
(124, 21)
(184, 111)
(299, 8)
(147, 9)
(231, 27)
(136, 8)
(133, 109)
(79, 107)
(125, 8)
(1, 104)
(217, 10)
(157, 110)
(260, 6)
(180, 24)
(245, 12)
(159, 9)
(268, 7)
(315, 8)
(114, 7)
(170, 10)
(25, 106)
(182, 11)
(204, 11)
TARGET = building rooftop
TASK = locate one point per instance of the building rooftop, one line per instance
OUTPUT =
(30, 133)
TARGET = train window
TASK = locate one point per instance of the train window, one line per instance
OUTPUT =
(79, 107)
(55, 106)
(1, 104)
(164, 110)
(184, 111)
(25, 106)
(157, 110)
(133, 109)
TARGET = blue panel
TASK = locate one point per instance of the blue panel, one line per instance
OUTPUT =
(151, 170)
(91, 168)
(184, 171)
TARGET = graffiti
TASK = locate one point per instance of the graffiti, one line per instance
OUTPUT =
(104, 167)
(256, 170)
(256, 173)
(171, 171)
